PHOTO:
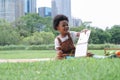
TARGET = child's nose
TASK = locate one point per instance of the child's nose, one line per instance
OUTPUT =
(66, 27)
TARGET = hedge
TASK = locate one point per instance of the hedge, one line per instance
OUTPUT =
(23, 47)
(102, 46)
(51, 47)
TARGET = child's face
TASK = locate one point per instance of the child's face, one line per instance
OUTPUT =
(63, 27)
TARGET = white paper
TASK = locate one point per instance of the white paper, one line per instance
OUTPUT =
(82, 44)
(81, 50)
(84, 37)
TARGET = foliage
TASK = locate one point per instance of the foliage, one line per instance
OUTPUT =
(98, 36)
(24, 47)
(39, 38)
(12, 47)
(8, 35)
(29, 30)
(115, 33)
(41, 47)
(29, 24)
(77, 29)
(101, 46)
(51, 47)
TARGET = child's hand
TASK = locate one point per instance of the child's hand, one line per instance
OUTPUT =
(60, 53)
(84, 30)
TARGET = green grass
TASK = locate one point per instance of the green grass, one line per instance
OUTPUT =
(72, 69)
(98, 52)
(17, 54)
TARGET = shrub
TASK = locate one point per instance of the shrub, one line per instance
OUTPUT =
(13, 47)
(51, 47)
(39, 38)
(101, 46)
(41, 47)
(23, 47)
(8, 34)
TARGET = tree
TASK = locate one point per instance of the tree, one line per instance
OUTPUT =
(99, 36)
(115, 34)
(39, 38)
(29, 24)
(8, 34)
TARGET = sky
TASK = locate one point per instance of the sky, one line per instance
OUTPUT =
(102, 13)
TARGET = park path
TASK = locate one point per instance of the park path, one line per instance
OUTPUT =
(24, 60)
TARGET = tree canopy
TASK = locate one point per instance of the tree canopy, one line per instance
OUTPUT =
(35, 30)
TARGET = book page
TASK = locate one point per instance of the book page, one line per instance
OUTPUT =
(82, 44)
(81, 50)
(84, 37)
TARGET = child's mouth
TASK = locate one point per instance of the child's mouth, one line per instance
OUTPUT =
(66, 29)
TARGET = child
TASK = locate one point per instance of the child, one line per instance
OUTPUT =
(64, 42)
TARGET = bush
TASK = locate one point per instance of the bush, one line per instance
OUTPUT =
(51, 47)
(13, 47)
(23, 47)
(8, 34)
(39, 38)
(101, 46)
(41, 47)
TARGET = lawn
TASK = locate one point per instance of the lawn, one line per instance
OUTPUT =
(20, 54)
(72, 69)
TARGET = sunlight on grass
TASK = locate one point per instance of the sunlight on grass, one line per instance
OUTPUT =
(17, 54)
(73, 69)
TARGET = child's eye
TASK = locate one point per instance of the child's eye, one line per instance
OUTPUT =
(65, 25)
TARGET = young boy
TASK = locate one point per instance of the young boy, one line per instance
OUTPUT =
(64, 42)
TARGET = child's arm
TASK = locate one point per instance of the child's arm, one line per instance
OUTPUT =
(61, 55)
(84, 30)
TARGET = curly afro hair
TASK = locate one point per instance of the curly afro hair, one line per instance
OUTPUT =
(57, 19)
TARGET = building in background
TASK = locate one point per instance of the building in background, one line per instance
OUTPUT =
(44, 11)
(11, 10)
(76, 22)
(30, 6)
(62, 7)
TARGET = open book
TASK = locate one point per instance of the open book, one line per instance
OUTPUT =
(82, 44)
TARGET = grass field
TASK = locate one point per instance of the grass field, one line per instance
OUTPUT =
(72, 69)
(17, 54)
